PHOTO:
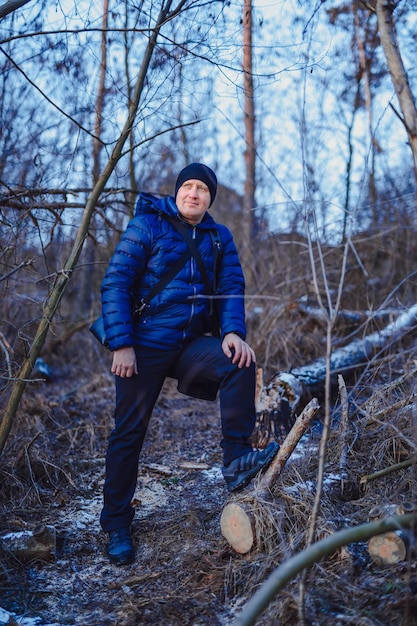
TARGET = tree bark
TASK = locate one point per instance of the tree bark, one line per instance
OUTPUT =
(12, 5)
(387, 33)
(248, 221)
(249, 119)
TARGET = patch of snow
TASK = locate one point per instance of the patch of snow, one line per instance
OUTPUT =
(151, 494)
(16, 535)
(84, 513)
(12, 618)
(295, 489)
(213, 475)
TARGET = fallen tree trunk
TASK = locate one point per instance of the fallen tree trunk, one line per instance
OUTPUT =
(349, 317)
(356, 353)
(277, 401)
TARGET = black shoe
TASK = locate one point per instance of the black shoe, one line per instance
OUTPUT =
(120, 549)
(240, 472)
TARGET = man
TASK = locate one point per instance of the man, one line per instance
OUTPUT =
(171, 339)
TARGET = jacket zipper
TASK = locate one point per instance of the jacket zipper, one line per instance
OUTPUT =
(192, 271)
(193, 264)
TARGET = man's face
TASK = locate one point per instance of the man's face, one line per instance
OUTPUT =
(193, 199)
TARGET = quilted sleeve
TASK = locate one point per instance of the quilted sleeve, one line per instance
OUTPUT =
(125, 269)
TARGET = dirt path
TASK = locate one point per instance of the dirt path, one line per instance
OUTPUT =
(178, 573)
(185, 574)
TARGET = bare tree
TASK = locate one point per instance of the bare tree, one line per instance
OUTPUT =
(63, 277)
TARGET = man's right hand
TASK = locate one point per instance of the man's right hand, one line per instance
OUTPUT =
(124, 363)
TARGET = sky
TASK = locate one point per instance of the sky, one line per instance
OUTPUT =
(301, 118)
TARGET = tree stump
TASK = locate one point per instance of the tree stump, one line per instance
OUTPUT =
(241, 517)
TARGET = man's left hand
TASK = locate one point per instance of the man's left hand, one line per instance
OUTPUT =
(238, 350)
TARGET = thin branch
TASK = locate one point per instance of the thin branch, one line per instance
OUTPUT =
(10, 6)
(304, 560)
(25, 263)
(388, 470)
(47, 98)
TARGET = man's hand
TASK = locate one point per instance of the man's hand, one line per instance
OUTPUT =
(124, 363)
(242, 353)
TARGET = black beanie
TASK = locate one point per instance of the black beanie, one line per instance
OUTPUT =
(198, 171)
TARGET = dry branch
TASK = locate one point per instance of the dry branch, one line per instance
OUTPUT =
(287, 448)
(10, 6)
(388, 470)
(239, 517)
(293, 566)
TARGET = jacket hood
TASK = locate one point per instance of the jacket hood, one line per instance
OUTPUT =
(147, 203)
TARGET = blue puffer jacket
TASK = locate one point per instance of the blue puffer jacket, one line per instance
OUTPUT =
(148, 248)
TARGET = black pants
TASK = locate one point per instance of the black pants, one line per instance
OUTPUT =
(202, 360)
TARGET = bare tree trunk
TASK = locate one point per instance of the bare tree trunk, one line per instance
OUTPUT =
(249, 120)
(63, 277)
(387, 33)
(85, 296)
(97, 144)
(364, 67)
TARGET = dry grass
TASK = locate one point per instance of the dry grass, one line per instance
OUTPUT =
(55, 456)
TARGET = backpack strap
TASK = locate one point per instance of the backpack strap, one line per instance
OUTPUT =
(163, 282)
(217, 250)
(193, 247)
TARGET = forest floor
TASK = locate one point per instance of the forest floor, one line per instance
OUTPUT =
(185, 573)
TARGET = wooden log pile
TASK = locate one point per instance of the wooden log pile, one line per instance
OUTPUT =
(277, 403)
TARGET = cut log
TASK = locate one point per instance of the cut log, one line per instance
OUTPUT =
(236, 523)
(27, 545)
(240, 516)
(389, 548)
(393, 546)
